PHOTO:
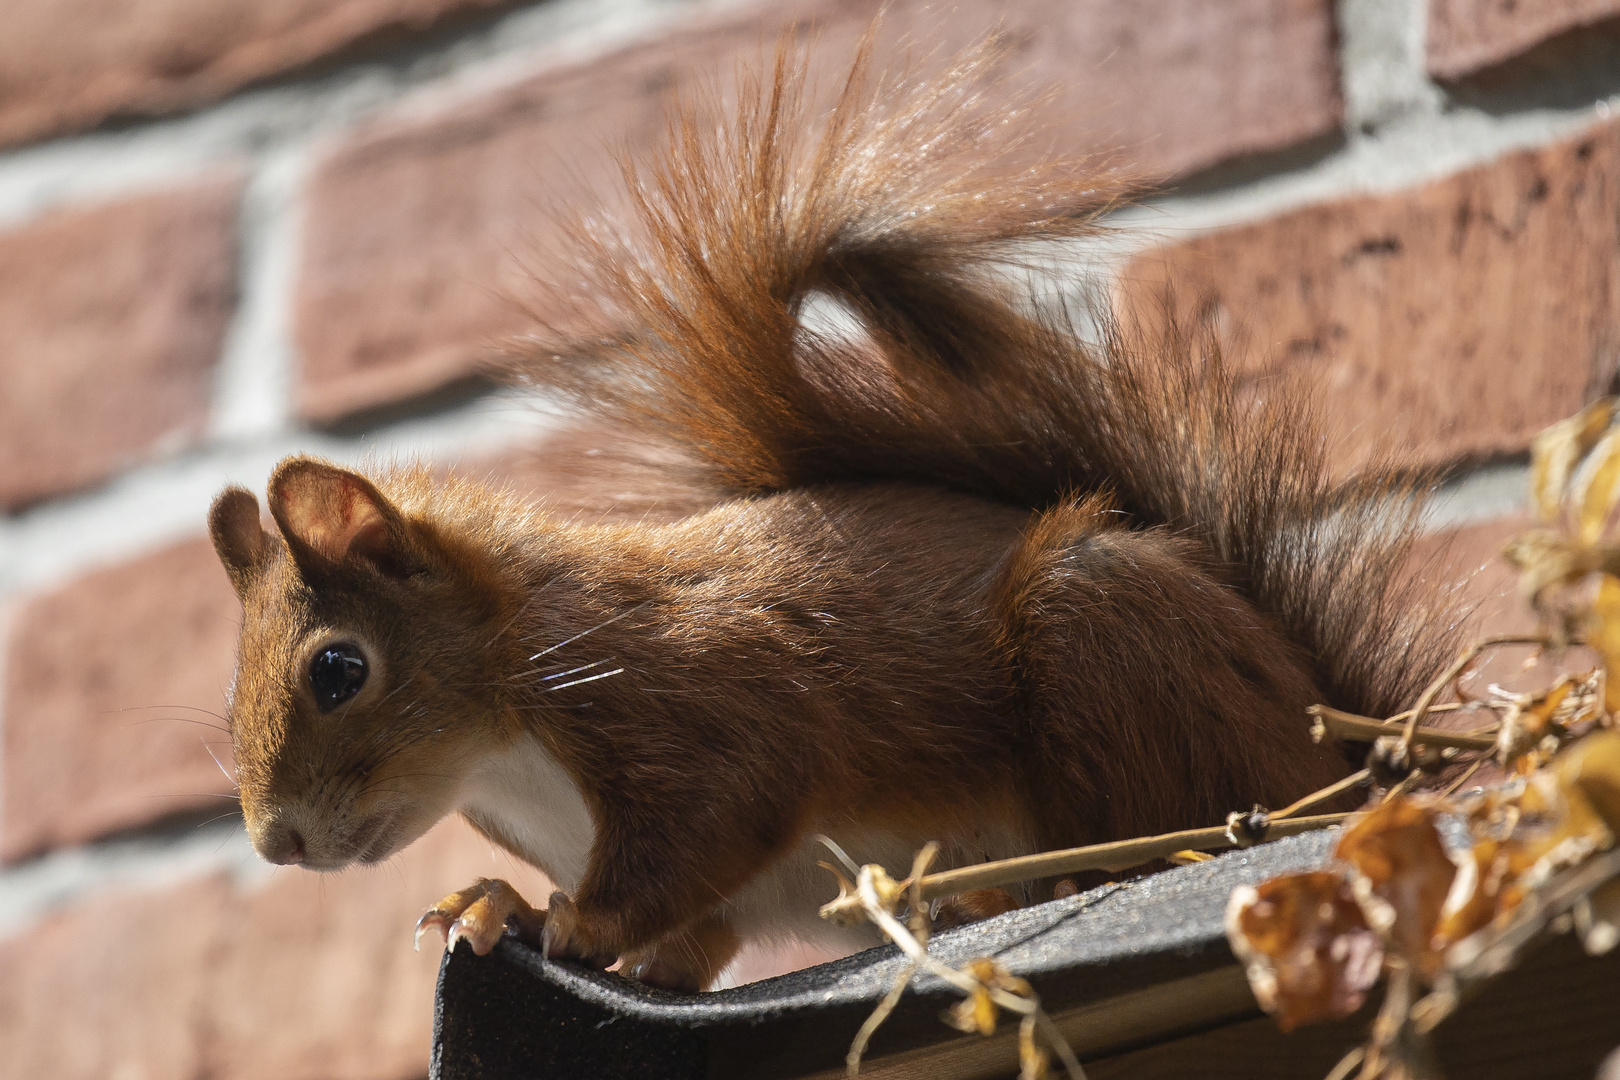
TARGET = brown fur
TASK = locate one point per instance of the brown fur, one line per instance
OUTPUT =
(906, 619)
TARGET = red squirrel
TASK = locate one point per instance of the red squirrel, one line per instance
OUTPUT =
(979, 577)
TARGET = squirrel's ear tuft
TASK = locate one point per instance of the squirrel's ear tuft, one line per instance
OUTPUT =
(331, 517)
(242, 544)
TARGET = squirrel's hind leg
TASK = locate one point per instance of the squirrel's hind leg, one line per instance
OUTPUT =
(973, 906)
(688, 960)
(1158, 696)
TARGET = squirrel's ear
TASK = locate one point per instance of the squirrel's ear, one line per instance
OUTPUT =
(233, 522)
(330, 516)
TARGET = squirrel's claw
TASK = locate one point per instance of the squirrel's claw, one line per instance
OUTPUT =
(432, 918)
(665, 975)
(480, 915)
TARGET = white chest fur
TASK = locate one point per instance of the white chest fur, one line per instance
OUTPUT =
(527, 798)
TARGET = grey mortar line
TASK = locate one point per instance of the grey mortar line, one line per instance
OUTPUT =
(253, 381)
(105, 164)
(1483, 494)
(1405, 153)
(157, 858)
(1401, 129)
(277, 129)
(32, 889)
(158, 503)
(1382, 62)
(8, 612)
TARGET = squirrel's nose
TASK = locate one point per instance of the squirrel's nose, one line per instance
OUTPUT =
(281, 844)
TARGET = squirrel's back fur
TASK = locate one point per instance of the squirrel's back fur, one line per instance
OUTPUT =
(906, 204)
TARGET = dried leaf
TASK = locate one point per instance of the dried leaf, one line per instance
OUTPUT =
(1545, 557)
(984, 969)
(1475, 895)
(1550, 824)
(1596, 487)
(1538, 713)
(1511, 839)
(1603, 635)
(1597, 918)
(1488, 886)
(1590, 770)
(1402, 876)
(976, 1012)
(1306, 946)
(1556, 451)
(1528, 721)
(889, 891)
(1187, 857)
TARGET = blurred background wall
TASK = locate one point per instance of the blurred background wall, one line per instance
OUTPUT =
(235, 229)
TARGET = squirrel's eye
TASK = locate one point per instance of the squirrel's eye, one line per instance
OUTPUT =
(336, 674)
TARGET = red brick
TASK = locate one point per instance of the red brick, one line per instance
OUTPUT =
(411, 224)
(304, 977)
(1471, 557)
(114, 686)
(112, 988)
(113, 320)
(1456, 319)
(1467, 35)
(70, 64)
(308, 977)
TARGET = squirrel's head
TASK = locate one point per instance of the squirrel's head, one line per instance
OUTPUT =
(359, 695)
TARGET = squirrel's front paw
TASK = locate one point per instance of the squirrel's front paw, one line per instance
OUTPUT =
(565, 938)
(480, 914)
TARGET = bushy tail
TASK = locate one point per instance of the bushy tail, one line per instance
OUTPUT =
(903, 209)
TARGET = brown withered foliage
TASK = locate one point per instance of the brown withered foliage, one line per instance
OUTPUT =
(1541, 847)
(1306, 944)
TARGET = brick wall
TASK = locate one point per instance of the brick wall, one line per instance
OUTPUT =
(229, 231)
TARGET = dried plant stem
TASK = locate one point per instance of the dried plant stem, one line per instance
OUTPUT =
(1450, 706)
(1115, 856)
(1457, 784)
(1055, 1039)
(1365, 729)
(852, 1060)
(1347, 1064)
(1458, 666)
(865, 898)
(1407, 783)
(919, 928)
(1354, 780)
(866, 893)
